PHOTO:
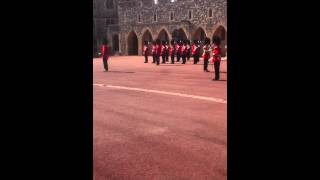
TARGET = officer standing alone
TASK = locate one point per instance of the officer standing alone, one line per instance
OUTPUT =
(105, 55)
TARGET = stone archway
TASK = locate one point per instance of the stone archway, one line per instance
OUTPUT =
(199, 35)
(132, 43)
(163, 35)
(222, 33)
(115, 43)
(179, 34)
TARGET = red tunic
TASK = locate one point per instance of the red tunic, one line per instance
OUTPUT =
(154, 49)
(158, 47)
(194, 49)
(104, 51)
(206, 53)
(216, 54)
(145, 50)
(171, 51)
(182, 50)
(163, 50)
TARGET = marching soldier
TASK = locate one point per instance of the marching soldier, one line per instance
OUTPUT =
(167, 51)
(172, 51)
(145, 51)
(206, 54)
(163, 52)
(188, 50)
(195, 50)
(178, 50)
(184, 52)
(154, 52)
(105, 54)
(158, 51)
(216, 57)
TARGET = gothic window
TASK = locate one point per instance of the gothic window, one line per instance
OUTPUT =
(139, 18)
(171, 16)
(190, 14)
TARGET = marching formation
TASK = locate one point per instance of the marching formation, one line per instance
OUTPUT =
(183, 51)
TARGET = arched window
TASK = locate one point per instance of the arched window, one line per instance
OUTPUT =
(190, 14)
(139, 18)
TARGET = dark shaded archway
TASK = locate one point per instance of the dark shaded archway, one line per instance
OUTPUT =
(115, 43)
(199, 35)
(179, 34)
(146, 37)
(132, 43)
(222, 33)
(163, 36)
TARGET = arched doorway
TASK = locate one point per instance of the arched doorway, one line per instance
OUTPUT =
(146, 37)
(115, 43)
(222, 33)
(199, 35)
(132, 43)
(179, 34)
(163, 36)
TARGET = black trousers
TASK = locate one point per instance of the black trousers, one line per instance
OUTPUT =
(178, 57)
(172, 59)
(105, 63)
(205, 64)
(154, 58)
(163, 58)
(195, 59)
(216, 70)
(145, 58)
(188, 55)
(167, 56)
(184, 59)
(158, 59)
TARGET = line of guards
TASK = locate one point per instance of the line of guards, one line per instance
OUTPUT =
(180, 49)
(183, 50)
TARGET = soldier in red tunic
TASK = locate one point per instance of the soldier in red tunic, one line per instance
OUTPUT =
(216, 57)
(158, 47)
(163, 52)
(146, 51)
(178, 50)
(172, 51)
(105, 55)
(188, 50)
(195, 50)
(206, 54)
(154, 52)
(167, 51)
(184, 51)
